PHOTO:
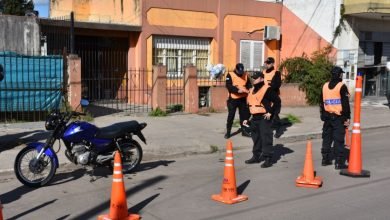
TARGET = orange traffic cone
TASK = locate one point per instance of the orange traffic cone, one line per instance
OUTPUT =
(355, 153)
(229, 190)
(347, 139)
(1, 211)
(118, 206)
(307, 179)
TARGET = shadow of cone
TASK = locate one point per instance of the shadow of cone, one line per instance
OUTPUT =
(118, 206)
(1, 211)
(307, 179)
(229, 190)
(355, 153)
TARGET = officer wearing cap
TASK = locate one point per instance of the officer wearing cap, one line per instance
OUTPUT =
(336, 114)
(273, 78)
(263, 102)
(237, 84)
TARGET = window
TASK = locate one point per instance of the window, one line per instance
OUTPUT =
(176, 53)
(252, 54)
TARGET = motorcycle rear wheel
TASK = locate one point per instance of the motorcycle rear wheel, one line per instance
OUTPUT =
(131, 155)
(30, 175)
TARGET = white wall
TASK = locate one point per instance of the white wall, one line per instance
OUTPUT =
(321, 15)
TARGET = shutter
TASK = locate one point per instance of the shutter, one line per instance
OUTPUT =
(386, 51)
(245, 53)
(257, 55)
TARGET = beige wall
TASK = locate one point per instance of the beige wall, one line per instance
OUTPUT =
(102, 11)
(366, 6)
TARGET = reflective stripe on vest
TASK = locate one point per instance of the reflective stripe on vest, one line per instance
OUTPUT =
(268, 76)
(332, 98)
(240, 83)
(254, 100)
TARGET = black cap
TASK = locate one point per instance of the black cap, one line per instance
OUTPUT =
(239, 68)
(337, 70)
(256, 75)
(269, 60)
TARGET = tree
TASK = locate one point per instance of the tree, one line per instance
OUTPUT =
(16, 7)
(311, 73)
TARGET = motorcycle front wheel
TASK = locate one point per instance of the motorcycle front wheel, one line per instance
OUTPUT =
(131, 155)
(32, 172)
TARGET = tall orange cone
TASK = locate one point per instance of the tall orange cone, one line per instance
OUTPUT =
(347, 139)
(118, 206)
(307, 179)
(355, 153)
(229, 190)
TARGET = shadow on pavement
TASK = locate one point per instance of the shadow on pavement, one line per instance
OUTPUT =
(139, 206)
(8, 142)
(18, 216)
(241, 188)
(104, 207)
(153, 164)
(280, 151)
(22, 190)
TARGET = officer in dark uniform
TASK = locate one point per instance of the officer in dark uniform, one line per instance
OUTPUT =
(336, 114)
(273, 78)
(263, 102)
(237, 84)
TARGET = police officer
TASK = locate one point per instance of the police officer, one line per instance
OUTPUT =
(263, 102)
(335, 113)
(273, 78)
(237, 84)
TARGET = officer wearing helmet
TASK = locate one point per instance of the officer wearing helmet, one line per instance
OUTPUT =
(273, 78)
(263, 103)
(336, 114)
(237, 84)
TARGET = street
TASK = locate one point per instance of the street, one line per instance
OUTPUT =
(180, 188)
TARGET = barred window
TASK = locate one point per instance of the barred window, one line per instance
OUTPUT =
(176, 53)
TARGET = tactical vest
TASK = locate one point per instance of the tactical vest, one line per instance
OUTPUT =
(268, 77)
(254, 100)
(332, 98)
(240, 83)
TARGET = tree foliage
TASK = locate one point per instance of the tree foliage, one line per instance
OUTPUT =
(16, 7)
(311, 73)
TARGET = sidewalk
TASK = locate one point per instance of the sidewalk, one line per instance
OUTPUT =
(185, 134)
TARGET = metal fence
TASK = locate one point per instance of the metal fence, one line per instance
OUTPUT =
(31, 86)
(114, 92)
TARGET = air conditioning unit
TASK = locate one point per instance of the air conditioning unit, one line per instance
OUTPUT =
(271, 33)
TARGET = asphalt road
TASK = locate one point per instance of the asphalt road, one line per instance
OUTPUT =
(181, 188)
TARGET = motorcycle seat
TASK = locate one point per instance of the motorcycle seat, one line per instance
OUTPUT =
(118, 130)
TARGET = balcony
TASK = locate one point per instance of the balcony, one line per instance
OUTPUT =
(371, 9)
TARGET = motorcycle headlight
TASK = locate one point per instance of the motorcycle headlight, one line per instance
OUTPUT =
(52, 120)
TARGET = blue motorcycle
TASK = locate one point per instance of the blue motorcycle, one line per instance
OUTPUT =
(36, 164)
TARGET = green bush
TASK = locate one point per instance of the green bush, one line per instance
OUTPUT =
(311, 73)
(158, 112)
(175, 108)
(292, 119)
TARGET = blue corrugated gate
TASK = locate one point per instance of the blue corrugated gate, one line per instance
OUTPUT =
(31, 84)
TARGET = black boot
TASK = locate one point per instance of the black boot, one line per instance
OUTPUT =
(267, 163)
(228, 134)
(253, 160)
(340, 164)
(326, 160)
